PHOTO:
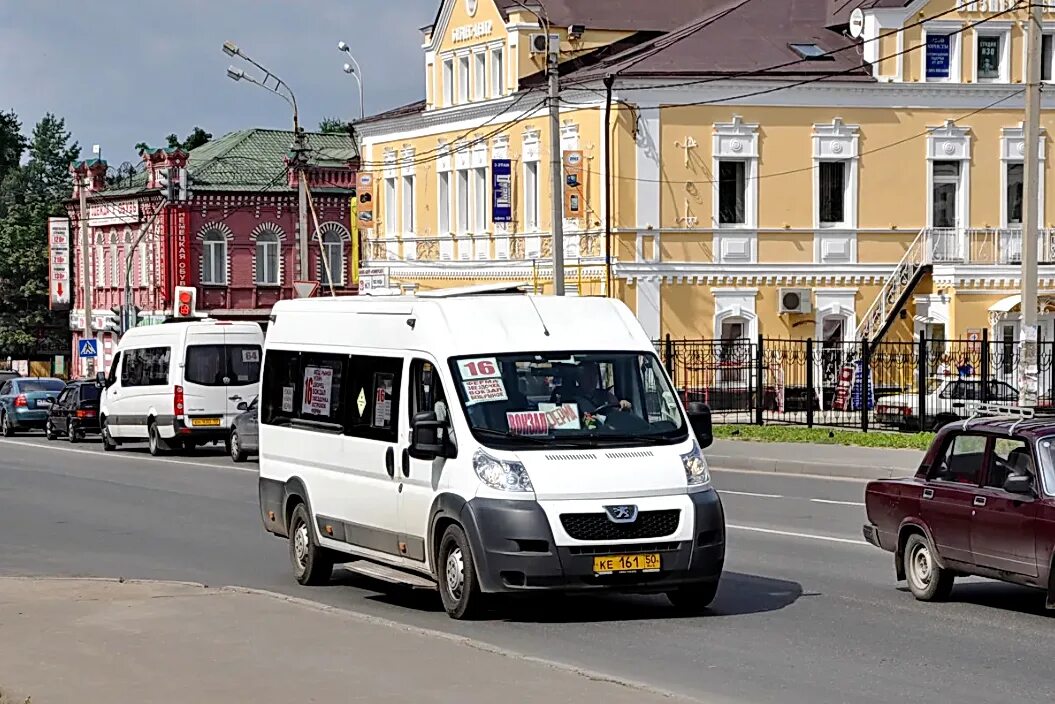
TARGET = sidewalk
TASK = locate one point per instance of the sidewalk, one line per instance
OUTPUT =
(803, 458)
(70, 640)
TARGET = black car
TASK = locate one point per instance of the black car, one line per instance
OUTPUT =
(76, 412)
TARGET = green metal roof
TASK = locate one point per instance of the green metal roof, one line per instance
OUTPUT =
(251, 160)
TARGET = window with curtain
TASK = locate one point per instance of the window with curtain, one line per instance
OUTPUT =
(832, 184)
(408, 204)
(448, 82)
(479, 221)
(391, 222)
(463, 79)
(214, 259)
(497, 74)
(732, 192)
(333, 254)
(267, 259)
(443, 225)
(479, 76)
(462, 197)
(531, 196)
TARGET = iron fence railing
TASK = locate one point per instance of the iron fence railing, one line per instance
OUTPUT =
(904, 385)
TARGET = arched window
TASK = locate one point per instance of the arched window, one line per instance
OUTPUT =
(214, 259)
(333, 255)
(117, 270)
(267, 259)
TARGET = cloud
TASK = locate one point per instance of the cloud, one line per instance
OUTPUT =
(124, 71)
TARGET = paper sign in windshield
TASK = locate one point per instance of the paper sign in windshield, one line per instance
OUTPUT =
(570, 415)
(485, 368)
(318, 381)
(250, 356)
(541, 422)
(484, 391)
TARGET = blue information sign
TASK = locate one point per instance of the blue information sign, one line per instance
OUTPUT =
(937, 56)
(502, 188)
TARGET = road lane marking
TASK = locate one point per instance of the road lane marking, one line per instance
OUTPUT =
(117, 454)
(793, 534)
(837, 503)
(752, 493)
(795, 475)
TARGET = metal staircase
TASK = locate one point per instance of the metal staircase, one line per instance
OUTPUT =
(899, 286)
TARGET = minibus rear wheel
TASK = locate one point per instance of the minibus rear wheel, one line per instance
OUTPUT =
(312, 564)
(459, 588)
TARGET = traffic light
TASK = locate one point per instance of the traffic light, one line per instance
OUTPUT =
(167, 184)
(184, 194)
(186, 297)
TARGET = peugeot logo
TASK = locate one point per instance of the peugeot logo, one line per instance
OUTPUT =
(621, 514)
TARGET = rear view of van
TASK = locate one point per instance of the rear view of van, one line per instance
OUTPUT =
(178, 385)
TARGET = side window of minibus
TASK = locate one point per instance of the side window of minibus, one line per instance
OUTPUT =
(373, 401)
(115, 368)
(426, 391)
(280, 387)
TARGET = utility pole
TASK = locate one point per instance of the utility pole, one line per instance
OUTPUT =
(1030, 198)
(86, 269)
(299, 150)
(556, 162)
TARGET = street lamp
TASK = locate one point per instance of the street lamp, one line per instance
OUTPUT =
(356, 72)
(237, 74)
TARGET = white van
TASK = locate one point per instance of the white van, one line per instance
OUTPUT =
(484, 443)
(179, 384)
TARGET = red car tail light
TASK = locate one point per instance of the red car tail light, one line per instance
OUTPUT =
(85, 414)
(177, 402)
(20, 401)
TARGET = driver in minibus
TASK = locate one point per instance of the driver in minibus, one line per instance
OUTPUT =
(588, 393)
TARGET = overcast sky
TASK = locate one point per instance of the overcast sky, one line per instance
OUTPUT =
(125, 71)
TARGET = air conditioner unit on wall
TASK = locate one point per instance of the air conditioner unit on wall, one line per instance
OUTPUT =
(795, 300)
(539, 45)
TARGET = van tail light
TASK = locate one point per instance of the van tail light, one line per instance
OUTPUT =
(20, 401)
(177, 402)
(85, 414)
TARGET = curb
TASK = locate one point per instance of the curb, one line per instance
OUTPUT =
(774, 465)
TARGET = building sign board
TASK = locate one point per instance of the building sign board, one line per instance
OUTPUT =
(937, 56)
(59, 265)
(573, 197)
(373, 279)
(121, 212)
(476, 30)
(182, 254)
(502, 190)
(998, 6)
(365, 209)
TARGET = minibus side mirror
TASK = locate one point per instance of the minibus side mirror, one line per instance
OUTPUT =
(100, 380)
(700, 420)
(427, 437)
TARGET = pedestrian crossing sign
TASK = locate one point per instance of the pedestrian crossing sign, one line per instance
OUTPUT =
(87, 349)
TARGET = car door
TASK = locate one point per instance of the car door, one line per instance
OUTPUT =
(205, 377)
(420, 479)
(949, 492)
(60, 415)
(243, 371)
(1003, 525)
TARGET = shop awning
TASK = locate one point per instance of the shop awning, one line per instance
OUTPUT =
(1005, 305)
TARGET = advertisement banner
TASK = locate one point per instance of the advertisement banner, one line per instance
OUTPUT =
(59, 269)
(372, 280)
(842, 389)
(502, 188)
(574, 207)
(122, 212)
(857, 396)
(937, 55)
(365, 193)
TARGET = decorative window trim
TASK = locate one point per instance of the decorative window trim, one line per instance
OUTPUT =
(954, 30)
(735, 303)
(1012, 151)
(531, 145)
(1003, 30)
(390, 163)
(275, 229)
(228, 235)
(406, 161)
(950, 143)
(345, 237)
(737, 141)
(837, 141)
(835, 302)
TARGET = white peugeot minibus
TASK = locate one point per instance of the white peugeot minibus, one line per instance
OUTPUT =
(180, 384)
(484, 441)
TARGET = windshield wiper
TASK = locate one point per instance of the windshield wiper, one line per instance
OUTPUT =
(506, 435)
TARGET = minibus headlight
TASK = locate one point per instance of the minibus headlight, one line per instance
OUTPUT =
(696, 472)
(504, 475)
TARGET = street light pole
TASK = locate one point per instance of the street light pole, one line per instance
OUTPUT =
(1030, 211)
(556, 163)
(299, 147)
(357, 72)
(86, 269)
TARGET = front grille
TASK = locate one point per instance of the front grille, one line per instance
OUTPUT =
(621, 549)
(596, 526)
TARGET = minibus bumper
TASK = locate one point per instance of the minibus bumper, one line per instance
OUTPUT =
(199, 435)
(514, 551)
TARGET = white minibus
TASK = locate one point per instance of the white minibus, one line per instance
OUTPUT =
(484, 441)
(179, 384)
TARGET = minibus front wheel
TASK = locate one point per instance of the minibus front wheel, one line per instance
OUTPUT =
(459, 587)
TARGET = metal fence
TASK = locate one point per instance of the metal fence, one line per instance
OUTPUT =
(909, 386)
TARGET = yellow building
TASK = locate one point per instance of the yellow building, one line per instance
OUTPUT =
(747, 167)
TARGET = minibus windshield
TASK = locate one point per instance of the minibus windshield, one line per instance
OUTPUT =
(580, 399)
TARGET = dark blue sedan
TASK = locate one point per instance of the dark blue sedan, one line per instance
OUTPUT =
(25, 402)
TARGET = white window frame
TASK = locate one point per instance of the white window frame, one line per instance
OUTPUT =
(447, 81)
(408, 224)
(265, 276)
(391, 207)
(480, 82)
(461, 201)
(1012, 151)
(1047, 30)
(478, 208)
(213, 256)
(531, 196)
(837, 142)
(443, 206)
(462, 80)
(954, 30)
(326, 247)
(497, 71)
(736, 242)
(950, 143)
(1003, 31)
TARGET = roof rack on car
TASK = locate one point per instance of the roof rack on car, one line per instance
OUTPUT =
(1002, 410)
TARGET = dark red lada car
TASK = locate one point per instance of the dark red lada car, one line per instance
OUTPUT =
(982, 503)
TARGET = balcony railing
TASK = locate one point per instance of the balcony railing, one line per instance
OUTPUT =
(984, 246)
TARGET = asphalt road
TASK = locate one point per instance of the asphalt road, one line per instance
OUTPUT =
(807, 612)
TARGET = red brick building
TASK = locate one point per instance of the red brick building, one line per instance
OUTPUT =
(234, 239)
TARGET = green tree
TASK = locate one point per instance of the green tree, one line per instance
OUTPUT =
(195, 139)
(12, 143)
(333, 125)
(30, 194)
